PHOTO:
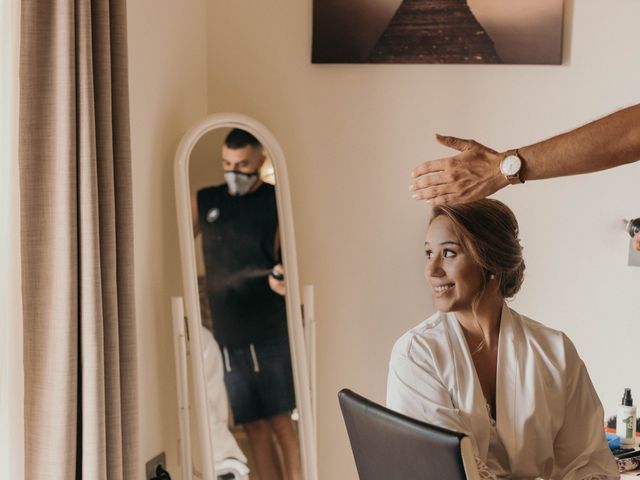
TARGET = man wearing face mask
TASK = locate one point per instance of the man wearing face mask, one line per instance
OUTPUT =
(239, 225)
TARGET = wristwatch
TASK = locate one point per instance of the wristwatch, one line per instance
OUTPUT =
(511, 168)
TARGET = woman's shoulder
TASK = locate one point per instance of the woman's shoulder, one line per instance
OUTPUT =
(424, 336)
(532, 326)
(540, 334)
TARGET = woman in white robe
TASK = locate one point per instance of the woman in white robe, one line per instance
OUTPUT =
(517, 388)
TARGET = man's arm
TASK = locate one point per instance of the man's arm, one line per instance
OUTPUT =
(277, 285)
(194, 215)
(475, 172)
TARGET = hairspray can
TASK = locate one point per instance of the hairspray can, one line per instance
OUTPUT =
(626, 420)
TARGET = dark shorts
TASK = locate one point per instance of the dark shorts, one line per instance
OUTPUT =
(259, 380)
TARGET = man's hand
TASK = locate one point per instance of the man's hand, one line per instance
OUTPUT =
(276, 285)
(472, 174)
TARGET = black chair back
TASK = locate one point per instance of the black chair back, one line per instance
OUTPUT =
(388, 446)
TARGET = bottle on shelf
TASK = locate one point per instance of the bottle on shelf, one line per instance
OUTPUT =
(626, 420)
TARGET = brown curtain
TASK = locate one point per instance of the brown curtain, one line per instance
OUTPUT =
(76, 238)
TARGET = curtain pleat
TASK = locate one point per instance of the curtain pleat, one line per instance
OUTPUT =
(11, 366)
(77, 241)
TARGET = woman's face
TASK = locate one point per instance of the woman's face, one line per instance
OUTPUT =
(455, 279)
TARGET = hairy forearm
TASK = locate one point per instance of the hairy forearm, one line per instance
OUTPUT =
(605, 143)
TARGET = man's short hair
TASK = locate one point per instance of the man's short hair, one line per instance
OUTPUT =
(238, 138)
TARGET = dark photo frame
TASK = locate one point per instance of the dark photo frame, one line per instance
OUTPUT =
(438, 31)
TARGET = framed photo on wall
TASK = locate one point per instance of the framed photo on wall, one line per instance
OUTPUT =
(438, 31)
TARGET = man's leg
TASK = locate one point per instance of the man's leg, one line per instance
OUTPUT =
(264, 452)
(288, 438)
(278, 398)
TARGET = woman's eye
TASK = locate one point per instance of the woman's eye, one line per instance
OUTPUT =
(428, 253)
(448, 254)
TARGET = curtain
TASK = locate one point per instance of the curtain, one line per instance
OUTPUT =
(11, 371)
(80, 382)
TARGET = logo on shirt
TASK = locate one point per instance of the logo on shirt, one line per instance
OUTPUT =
(213, 215)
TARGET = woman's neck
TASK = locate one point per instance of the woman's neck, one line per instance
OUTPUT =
(484, 323)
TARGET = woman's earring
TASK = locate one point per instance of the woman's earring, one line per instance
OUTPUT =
(492, 276)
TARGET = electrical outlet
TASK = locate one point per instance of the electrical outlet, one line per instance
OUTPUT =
(151, 465)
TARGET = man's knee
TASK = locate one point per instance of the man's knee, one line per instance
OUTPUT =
(257, 427)
(281, 422)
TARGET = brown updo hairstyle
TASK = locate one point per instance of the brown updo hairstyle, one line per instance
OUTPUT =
(488, 231)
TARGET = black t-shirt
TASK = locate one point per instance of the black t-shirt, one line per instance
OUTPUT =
(238, 240)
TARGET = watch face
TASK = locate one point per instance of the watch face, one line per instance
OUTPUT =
(510, 165)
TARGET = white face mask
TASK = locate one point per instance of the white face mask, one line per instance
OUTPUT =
(240, 183)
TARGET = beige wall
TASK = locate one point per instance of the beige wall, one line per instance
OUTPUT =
(352, 133)
(167, 45)
(205, 164)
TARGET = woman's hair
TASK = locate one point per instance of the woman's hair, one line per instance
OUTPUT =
(488, 231)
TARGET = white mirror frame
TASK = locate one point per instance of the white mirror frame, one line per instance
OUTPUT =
(190, 285)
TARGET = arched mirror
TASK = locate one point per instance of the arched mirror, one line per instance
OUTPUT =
(249, 364)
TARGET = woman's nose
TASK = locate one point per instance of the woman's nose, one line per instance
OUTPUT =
(433, 268)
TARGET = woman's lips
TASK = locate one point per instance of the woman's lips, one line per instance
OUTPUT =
(441, 290)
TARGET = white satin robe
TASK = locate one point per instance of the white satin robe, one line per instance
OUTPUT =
(224, 443)
(549, 418)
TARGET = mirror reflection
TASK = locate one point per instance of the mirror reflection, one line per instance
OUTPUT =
(242, 281)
